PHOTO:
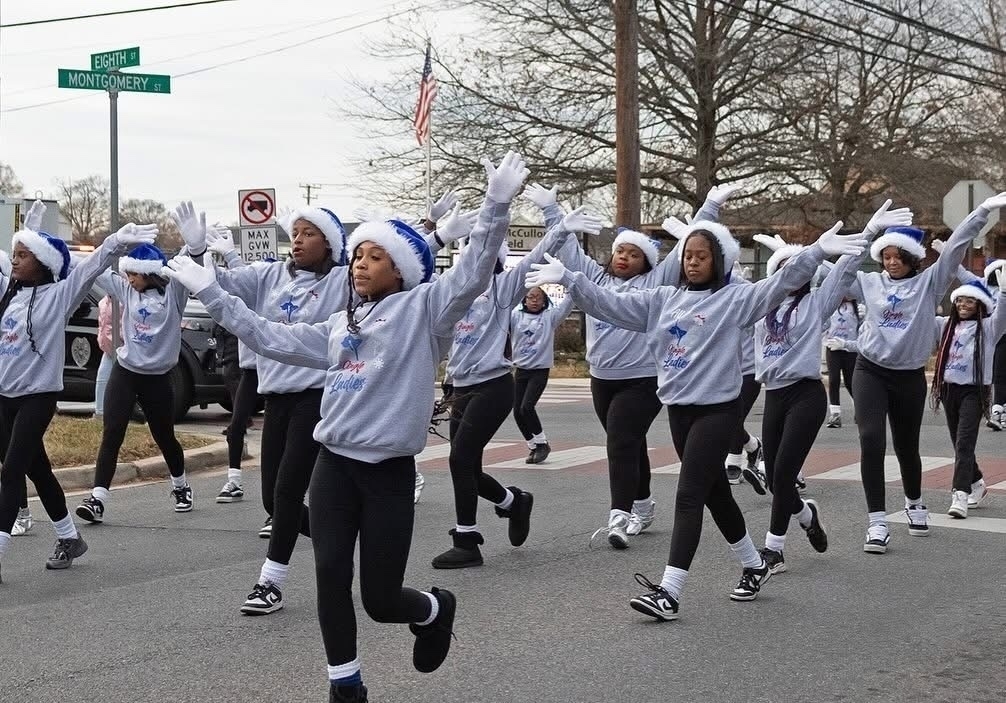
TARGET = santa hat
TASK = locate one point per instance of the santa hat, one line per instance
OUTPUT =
(50, 251)
(408, 250)
(730, 247)
(329, 225)
(993, 266)
(781, 251)
(905, 238)
(650, 247)
(145, 258)
(977, 290)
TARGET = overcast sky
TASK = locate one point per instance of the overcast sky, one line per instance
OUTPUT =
(268, 121)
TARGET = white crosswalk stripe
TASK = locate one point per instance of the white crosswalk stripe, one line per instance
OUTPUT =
(851, 472)
(979, 524)
(440, 451)
(563, 459)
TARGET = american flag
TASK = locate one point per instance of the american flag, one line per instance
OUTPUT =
(427, 92)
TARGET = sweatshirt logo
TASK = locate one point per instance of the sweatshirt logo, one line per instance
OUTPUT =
(892, 317)
(675, 356)
(352, 342)
(9, 338)
(351, 376)
(289, 307)
(144, 314)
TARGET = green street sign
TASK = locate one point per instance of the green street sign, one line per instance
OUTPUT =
(122, 82)
(111, 60)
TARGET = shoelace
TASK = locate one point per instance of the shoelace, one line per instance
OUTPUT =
(62, 550)
(606, 529)
(647, 583)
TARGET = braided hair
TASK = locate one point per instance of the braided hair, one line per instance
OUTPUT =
(977, 362)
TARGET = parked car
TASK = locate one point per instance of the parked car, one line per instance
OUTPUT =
(196, 379)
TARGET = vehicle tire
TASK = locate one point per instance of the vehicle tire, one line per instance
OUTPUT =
(181, 384)
(227, 405)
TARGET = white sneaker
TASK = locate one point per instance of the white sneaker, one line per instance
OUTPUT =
(958, 505)
(641, 518)
(420, 482)
(918, 520)
(996, 418)
(617, 532)
(978, 493)
(877, 539)
(23, 523)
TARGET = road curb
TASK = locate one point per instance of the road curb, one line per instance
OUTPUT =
(77, 478)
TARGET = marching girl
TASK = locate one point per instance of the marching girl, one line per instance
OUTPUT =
(968, 338)
(895, 340)
(742, 444)
(385, 340)
(686, 330)
(532, 339)
(39, 296)
(997, 415)
(840, 355)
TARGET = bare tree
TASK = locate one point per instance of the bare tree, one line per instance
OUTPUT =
(150, 211)
(9, 183)
(85, 205)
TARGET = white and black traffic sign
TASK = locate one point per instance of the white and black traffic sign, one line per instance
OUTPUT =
(962, 199)
(256, 206)
(259, 243)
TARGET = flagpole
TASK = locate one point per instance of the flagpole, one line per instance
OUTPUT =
(429, 162)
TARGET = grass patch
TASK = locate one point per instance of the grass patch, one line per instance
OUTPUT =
(71, 441)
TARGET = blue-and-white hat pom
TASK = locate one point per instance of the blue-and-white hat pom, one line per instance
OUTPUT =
(144, 258)
(977, 290)
(50, 251)
(907, 238)
(649, 246)
(329, 225)
(730, 246)
(408, 250)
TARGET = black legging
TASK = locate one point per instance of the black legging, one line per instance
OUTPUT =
(793, 416)
(900, 397)
(695, 431)
(27, 417)
(626, 409)
(157, 399)
(374, 501)
(528, 384)
(477, 412)
(750, 388)
(841, 366)
(962, 406)
(289, 453)
(243, 404)
(999, 373)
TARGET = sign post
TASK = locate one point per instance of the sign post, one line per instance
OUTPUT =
(962, 200)
(257, 217)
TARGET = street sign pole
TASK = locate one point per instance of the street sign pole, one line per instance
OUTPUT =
(113, 220)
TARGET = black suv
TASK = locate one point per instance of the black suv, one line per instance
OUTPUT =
(196, 378)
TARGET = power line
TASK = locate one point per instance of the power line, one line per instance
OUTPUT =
(109, 14)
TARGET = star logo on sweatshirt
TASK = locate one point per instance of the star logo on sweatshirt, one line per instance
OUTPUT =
(378, 363)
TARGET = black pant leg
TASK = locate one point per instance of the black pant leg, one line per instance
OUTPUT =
(25, 420)
(908, 404)
(870, 390)
(243, 407)
(120, 396)
(157, 398)
(833, 360)
(804, 408)
(537, 379)
(969, 414)
(629, 407)
(520, 381)
(275, 426)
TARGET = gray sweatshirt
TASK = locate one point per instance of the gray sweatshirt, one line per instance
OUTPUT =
(378, 396)
(844, 322)
(694, 337)
(23, 371)
(532, 336)
(899, 327)
(959, 369)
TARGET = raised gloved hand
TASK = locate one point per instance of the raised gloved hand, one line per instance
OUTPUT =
(720, 194)
(33, 218)
(937, 245)
(552, 272)
(220, 240)
(443, 205)
(540, 195)
(835, 244)
(581, 221)
(675, 227)
(995, 202)
(131, 235)
(192, 227)
(775, 242)
(193, 276)
(884, 217)
(835, 344)
(506, 179)
(456, 225)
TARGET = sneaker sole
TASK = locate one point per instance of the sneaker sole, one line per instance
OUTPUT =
(641, 607)
(979, 501)
(781, 568)
(85, 514)
(875, 548)
(752, 478)
(960, 515)
(229, 499)
(617, 543)
(734, 481)
(459, 565)
(265, 535)
(916, 532)
(185, 509)
(249, 610)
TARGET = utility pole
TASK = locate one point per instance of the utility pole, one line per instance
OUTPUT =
(627, 187)
(308, 187)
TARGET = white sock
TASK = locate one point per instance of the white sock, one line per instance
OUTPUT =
(343, 671)
(179, 481)
(507, 500)
(734, 460)
(775, 542)
(102, 494)
(805, 516)
(434, 610)
(615, 513)
(466, 528)
(752, 444)
(4, 542)
(65, 529)
(530, 444)
(643, 504)
(234, 475)
(540, 438)
(273, 573)
(909, 503)
(747, 552)
(674, 581)
(877, 518)
(835, 409)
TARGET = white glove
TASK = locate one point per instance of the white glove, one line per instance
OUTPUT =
(581, 221)
(4, 263)
(995, 202)
(442, 206)
(131, 235)
(220, 240)
(540, 195)
(775, 242)
(1001, 280)
(674, 227)
(552, 272)
(190, 274)
(506, 179)
(33, 218)
(835, 244)
(191, 227)
(884, 217)
(835, 344)
(720, 194)
(456, 225)
(937, 245)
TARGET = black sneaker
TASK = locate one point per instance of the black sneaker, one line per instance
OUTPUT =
(815, 531)
(775, 560)
(755, 477)
(265, 532)
(519, 514)
(658, 603)
(751, 582)
(65, 552)
(263, 599)
(347, 694)
(755, 457)
(834, 420)
(433, 641)
(539, 453)
(530, 456)
(183, 499)
(463, 554)
(733, 474)
(91, 509)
